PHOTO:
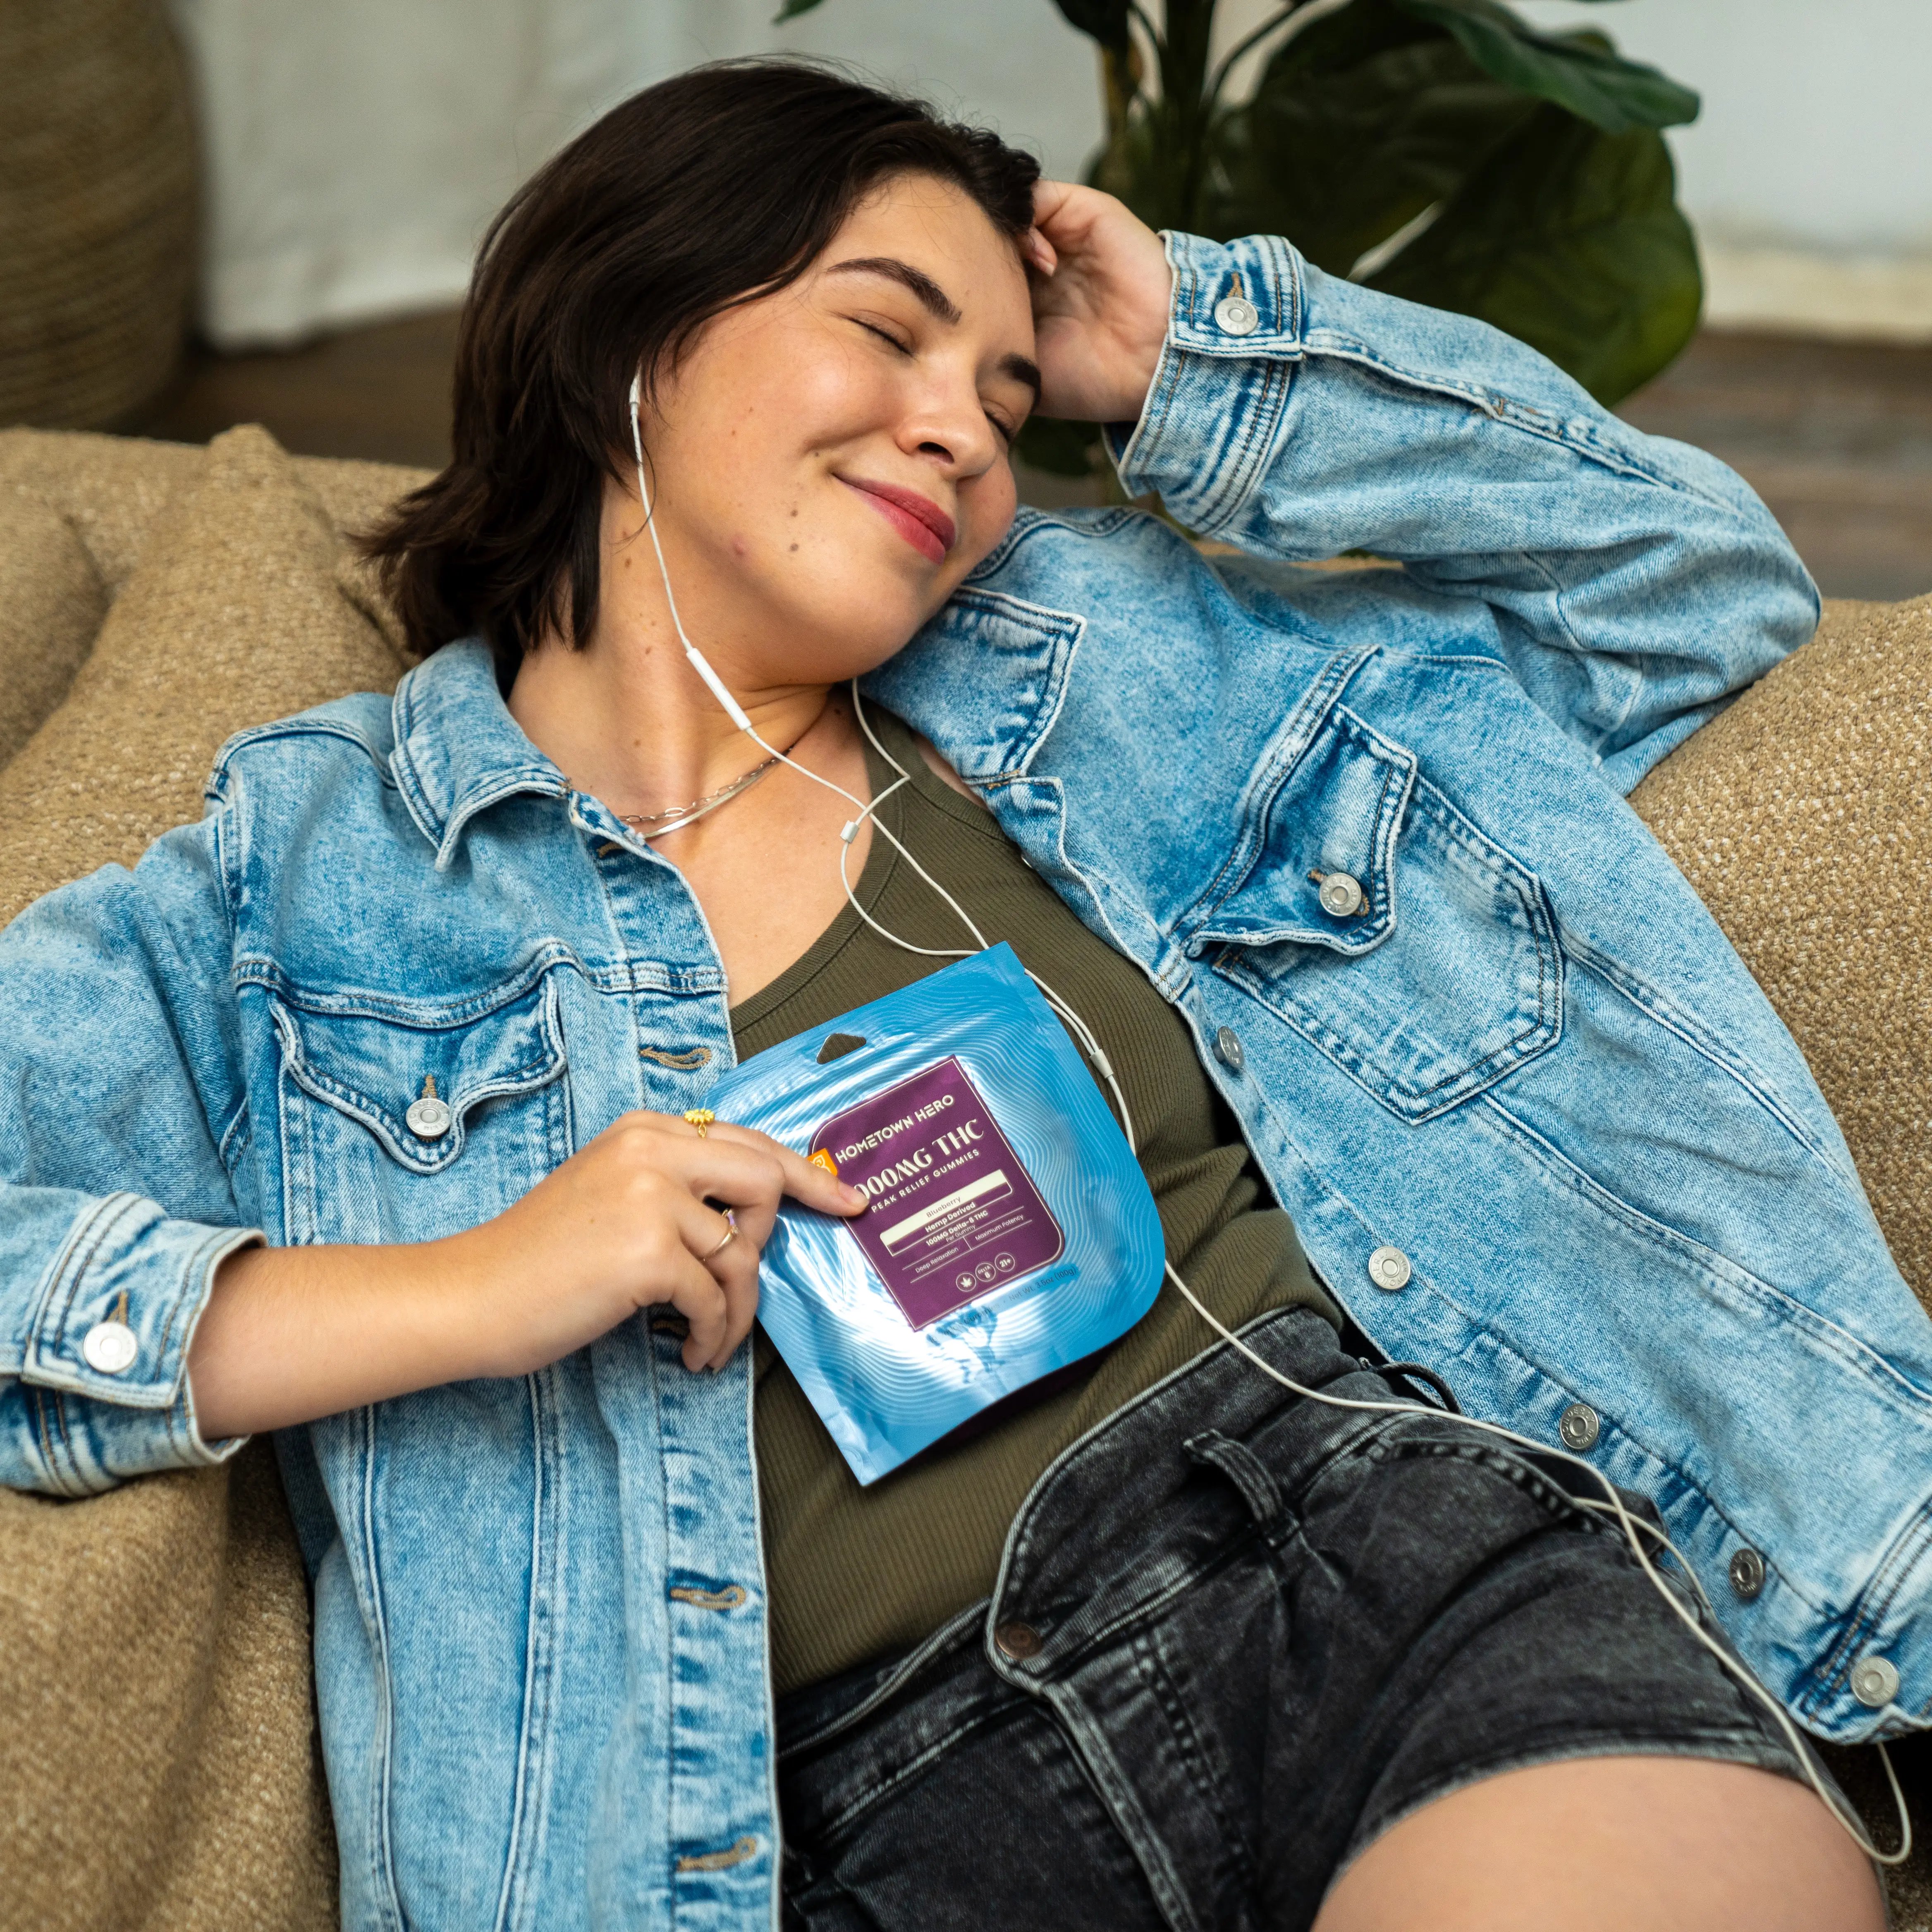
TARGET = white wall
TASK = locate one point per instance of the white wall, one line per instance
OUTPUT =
(1809, 173)
(357, 147)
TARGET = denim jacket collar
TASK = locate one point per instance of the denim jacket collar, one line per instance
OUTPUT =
(458, 749)
(1001, 720)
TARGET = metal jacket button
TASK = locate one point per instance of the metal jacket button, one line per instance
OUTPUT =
(1389, 1268)
(1228, 1048)
(109, 1347)
(1874, 1682)
(429, 1118)
(1341, 895)
(1747, 1572)
(1579, 1427)
(1018, 1642)
(1235, 315)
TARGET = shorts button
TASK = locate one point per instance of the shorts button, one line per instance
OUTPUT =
(1579, 1427)
(1747, 1573)
(1235, 315)
(1341, 895)
(108, 1347)
(1389, 1268)
(1874, 1682)
(1228, 1048)
(1018, 1642)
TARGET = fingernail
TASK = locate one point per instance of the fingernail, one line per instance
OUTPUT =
(855, 1196)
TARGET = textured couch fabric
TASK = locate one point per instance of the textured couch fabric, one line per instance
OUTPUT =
(157, 1762)
(157, 1765)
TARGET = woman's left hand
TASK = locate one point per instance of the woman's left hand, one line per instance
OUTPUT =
(1100, 294)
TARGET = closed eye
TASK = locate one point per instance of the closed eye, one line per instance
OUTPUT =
(1007, 431)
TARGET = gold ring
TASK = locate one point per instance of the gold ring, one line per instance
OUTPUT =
(701, 1118)
(730, 1234)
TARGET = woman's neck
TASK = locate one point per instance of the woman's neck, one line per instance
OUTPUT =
(629, 721)
(635, 728)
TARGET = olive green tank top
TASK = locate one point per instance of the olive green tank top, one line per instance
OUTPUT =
(855, 1572)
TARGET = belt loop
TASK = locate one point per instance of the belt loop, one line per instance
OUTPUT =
(1248, 1473)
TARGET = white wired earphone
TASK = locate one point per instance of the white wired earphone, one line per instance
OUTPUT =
(1612, 1505)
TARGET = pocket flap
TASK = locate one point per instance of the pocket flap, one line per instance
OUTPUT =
(371, 1060)
(1337, 814)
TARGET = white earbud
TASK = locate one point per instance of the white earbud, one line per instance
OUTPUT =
(718, 688)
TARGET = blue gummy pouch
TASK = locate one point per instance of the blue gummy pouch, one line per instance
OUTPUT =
(1011, 1231)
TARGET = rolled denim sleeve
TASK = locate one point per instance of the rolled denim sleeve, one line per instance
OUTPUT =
(1633, 584)
(118, 1085)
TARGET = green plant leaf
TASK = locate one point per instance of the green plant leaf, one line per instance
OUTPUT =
(1102, 20)
(1355, 126)
(1570, 239)
(1062, 448)
(1579, 71)
(791, 10)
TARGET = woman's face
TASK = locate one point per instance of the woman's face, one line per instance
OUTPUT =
(828, 462)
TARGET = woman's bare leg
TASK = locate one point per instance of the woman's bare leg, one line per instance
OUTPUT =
(1614, 1844)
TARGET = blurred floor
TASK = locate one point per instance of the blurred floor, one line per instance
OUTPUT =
(1837, 437)
(381, 392)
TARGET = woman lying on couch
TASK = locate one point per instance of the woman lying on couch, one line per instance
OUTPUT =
(357, 1112)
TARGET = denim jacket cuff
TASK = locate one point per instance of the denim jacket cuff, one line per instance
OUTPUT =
(1201, 441)
(1875, 1678)
(112, 1324)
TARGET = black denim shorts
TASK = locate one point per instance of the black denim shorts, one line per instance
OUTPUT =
(1236, 1636)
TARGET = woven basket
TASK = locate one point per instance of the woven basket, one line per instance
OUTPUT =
(97, 210)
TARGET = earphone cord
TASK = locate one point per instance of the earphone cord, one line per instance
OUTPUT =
(1613, 1504)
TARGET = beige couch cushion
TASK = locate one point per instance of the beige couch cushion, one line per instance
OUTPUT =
(52, 601)
(157, 1756)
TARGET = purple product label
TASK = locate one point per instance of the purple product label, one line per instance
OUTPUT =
(954, 1215)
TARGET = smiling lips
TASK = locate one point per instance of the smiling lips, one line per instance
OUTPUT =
(918, 519)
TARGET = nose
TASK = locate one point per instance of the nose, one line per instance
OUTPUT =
(946, 424)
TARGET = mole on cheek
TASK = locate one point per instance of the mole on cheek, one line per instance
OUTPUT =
(738, 547)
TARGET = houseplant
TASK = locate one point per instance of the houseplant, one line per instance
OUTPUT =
(1446, 151)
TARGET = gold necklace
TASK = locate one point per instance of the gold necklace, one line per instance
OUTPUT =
(682, 815)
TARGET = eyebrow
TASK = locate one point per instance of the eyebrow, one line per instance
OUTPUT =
(936, 302)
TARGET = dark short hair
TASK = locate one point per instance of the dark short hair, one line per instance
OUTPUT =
(708, 190)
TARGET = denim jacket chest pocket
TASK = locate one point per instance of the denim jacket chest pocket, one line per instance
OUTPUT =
(407, 1121)
(1431, 969)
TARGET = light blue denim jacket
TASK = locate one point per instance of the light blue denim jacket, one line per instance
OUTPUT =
(1530, 1062)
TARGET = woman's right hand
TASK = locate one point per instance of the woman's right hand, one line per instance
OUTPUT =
(289, 1334)
(626, 1223)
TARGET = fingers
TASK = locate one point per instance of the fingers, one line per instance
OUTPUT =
(720, 1299)
(679, 1181)
(694, 1292)
(712, 1281)
(735, 1269)
(734, 1154)
(1049, 199)
(1038, 252)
